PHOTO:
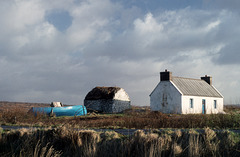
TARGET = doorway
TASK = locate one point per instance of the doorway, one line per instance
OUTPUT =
(203, 106)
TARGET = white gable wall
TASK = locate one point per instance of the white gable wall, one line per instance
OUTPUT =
(121, 95)
(165, 98)
(197, 105)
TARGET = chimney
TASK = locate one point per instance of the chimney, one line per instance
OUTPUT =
(208, 79)
(165, 76)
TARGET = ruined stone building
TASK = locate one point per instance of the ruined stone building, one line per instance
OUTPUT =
(107, 100)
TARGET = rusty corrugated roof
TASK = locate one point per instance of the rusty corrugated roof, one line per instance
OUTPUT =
(195, 87)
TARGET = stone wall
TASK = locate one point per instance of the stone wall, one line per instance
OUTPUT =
(119, 106)
(107, 106)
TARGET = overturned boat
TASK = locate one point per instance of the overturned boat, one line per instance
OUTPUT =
(78, 110)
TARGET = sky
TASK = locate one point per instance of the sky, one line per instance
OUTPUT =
(59, 50)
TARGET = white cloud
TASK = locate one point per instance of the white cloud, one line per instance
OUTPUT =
(149, 25)
(20, 14)
(212, 25)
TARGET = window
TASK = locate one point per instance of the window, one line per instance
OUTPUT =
(191, 103)
(215, 104)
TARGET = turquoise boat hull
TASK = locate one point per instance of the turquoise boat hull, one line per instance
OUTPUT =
(78, 110)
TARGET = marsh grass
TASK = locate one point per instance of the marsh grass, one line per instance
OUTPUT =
(63, 141)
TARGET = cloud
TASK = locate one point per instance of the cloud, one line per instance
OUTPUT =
(18, 15)
(149, 25)
(160, 37)
(228, 33)
(229, 54)
(109, 43)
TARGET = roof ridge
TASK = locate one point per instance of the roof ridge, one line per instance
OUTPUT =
(107, 87)
(187, 78)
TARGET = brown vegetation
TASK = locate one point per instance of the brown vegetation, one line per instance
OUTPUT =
(135, 118)
(63, 141)
(9, 106)
(232, 109)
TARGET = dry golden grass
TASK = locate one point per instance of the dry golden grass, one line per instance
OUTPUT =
(63, 141)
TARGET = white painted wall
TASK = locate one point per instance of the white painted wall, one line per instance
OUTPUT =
(121, 95)
(197, 105)
(165, 98)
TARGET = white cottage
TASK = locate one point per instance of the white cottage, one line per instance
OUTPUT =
(185, 95)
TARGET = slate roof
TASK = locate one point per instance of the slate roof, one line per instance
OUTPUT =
(195, 87)
(102, 93)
